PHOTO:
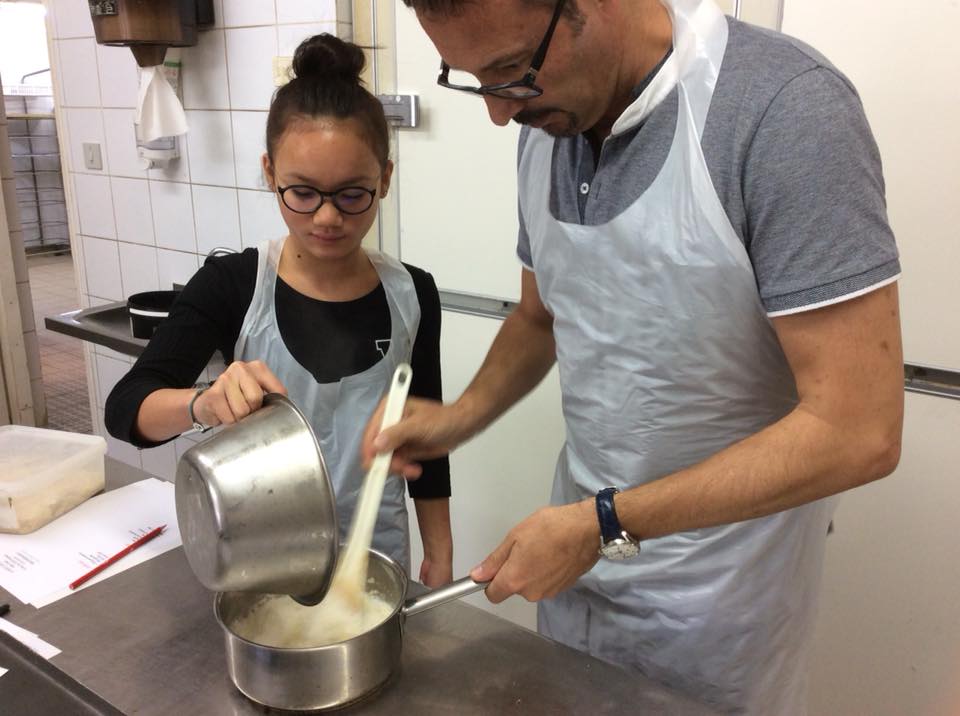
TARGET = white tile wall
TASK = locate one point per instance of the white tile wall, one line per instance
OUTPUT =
(78, 72)
(217, 217)
(139, 234)
(306, 10)
(119, 76)
(259, 217)
(249, 144)
(86, 125)
(204, 73)
(250, 53)
(122, 143)
(211, 151)
(289, 37)
(175, 267)
(71, 18)
(160, 461)
(102, 262)
(138, 268)
(131, 201)
(95, 205)
(249, 12)
(173, 215)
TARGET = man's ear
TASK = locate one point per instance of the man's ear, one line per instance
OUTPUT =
(268, 171)
(385, 179)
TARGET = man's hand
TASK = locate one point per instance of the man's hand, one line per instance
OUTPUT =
(544, 554)
(237, 392)
(428, 429)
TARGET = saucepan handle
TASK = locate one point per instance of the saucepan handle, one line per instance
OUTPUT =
(454, 590)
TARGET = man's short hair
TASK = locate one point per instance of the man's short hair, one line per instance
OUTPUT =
(454, 7)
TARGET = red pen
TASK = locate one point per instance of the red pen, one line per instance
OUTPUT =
(119, 555)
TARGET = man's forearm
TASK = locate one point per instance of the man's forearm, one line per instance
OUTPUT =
(799, 459)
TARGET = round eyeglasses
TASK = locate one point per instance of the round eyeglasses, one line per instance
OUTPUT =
(303, 199)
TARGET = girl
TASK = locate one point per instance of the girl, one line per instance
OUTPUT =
(311, 314)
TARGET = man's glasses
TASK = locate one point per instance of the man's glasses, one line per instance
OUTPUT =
(524, 88)
(304, 199)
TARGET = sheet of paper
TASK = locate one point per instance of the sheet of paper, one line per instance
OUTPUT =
(38, 567)
(29, 639)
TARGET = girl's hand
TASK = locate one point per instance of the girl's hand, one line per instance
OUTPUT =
(236, 393)
(436, 573)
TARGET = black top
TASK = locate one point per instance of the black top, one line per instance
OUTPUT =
(209, 313)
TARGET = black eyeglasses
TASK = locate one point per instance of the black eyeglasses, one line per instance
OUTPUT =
(304, 199)
(524, 88)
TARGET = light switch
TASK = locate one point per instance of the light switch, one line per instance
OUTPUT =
(91, 156)
(281, 70)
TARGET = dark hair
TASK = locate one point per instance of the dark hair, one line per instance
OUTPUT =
(443, 8)
(326, 83)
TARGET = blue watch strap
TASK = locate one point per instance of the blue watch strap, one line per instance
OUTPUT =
(610, 528)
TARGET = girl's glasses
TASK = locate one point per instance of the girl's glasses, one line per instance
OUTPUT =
(304, 199)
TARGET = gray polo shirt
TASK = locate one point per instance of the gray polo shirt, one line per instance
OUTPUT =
(792, 159)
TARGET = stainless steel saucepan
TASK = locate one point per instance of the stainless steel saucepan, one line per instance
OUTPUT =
(255, 506)
(334, 675)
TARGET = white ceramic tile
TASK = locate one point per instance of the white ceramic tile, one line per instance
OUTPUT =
(122, 451)
(204, 73)
(249, 12)
(131, 201)
(178, 169)
(175, 267)
(109, 373)
(122, 143)
(86, 126)
(218, 218)
(160, 461)
(259, 217)
(72, 18)
(249, 145)
(306, 10)
(173, 215)
(95, 205)
(78, 73)
(289, 37)
(250, 53)
(119, 76)
(138, 269)
(211, 151)
(101, 260)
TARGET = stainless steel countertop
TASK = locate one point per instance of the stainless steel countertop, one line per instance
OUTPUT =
(146, 640)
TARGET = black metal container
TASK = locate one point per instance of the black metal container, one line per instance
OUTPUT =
(147, 310)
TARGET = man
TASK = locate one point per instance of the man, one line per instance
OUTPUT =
(707, 256)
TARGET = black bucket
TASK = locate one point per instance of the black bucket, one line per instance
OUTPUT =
(148, 309)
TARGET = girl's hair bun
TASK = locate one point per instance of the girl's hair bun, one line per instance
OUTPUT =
(327, 58)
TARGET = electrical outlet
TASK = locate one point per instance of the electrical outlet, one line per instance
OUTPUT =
(91, 156)
(281, 70)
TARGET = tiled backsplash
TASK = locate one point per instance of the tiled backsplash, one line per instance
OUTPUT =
(140, 229)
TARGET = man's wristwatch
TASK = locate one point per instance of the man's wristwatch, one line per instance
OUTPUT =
(198, 426)
(615, 542)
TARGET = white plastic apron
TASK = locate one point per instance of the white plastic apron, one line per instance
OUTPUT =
(339, 411)
(666, 356)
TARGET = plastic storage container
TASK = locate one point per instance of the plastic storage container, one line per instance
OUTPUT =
(44, 473)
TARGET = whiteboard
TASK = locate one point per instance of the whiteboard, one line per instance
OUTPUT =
(905, 63)
(456, 179)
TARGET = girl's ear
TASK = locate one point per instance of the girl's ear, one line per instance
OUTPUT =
(268, 171)
(385, 179)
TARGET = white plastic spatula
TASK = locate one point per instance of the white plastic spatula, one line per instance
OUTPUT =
(351, 573)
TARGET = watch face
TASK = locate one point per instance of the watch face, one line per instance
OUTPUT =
(620, 549)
